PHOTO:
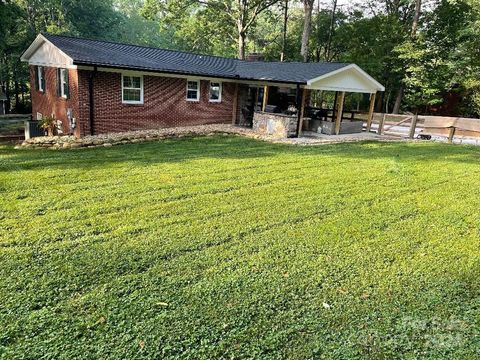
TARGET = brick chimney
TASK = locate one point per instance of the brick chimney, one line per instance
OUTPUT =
(255, 57)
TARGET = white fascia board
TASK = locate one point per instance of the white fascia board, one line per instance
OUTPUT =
(39, 40)
(36, 44)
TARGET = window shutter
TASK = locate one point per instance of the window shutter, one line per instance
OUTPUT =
(59, 82)
(36, 78)
(67, 84)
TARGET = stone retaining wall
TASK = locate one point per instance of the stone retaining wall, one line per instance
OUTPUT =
(107, 140)
(132, 137)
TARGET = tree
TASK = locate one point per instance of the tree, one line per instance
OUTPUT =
(328, 45)
(22, 20)
(307, 28)
(13, 41)
(242, 13)
(419, 54)
(284, 33)
(413, 35)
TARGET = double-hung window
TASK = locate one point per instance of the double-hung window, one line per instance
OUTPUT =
(193, 90)
(62, 83)
(132, 89)
(215, 94)
(40, 78)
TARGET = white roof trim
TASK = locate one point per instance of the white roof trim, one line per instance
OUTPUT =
(35, 45)
(376, 86)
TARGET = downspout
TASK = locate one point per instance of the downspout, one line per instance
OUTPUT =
(91, 101)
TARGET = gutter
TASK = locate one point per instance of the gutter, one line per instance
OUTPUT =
(91, 100)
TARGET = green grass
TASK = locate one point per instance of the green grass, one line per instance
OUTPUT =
(227, 247)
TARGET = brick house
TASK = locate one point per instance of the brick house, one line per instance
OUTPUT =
(94, 87)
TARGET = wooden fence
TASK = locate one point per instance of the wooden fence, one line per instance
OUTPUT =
(424, 125)
(12, 126)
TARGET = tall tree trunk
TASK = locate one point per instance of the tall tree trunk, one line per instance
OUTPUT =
(284, 41)
(328, 46)
(17, 96)
(416, 17)
(413, 34)
(398, 100)
(387, 101)
(7, 94)
(242, 7)
(241, 45)
(16, 88)
(307, 27)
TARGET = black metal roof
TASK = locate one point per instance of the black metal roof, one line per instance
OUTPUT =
(124, 56)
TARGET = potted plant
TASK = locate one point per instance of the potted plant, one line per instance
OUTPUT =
(48, 123)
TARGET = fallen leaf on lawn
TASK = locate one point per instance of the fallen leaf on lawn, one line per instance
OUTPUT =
(162, 304)
(141, 344)
(326, 306)
(365, 296)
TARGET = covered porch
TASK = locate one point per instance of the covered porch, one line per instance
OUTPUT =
(317, 108)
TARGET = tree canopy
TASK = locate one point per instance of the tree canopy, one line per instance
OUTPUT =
(421, 52)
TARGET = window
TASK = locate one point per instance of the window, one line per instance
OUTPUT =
(215, 92)
(132, 89)
(193, 90)
(40, 78)
(62, 83)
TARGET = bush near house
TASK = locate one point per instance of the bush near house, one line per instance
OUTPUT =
(227, 247)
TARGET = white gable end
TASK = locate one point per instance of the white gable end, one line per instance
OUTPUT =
(42, 52)
(348, 79)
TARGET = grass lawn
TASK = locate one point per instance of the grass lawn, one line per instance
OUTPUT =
(227, 247)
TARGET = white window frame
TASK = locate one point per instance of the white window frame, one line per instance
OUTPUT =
(63, 82)
(219, 92)
(40, 79)
(131, 88)
(191, 89)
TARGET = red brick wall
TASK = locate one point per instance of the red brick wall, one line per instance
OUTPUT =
(165, 104)
(49, 103)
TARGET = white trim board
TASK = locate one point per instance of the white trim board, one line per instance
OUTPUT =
(350, 78)
(43, 53)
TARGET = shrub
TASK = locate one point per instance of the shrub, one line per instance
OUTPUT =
(48, 123)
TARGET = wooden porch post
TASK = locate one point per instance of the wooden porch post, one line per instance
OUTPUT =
(381, 125)
(370, 111)
(451, 134)
(235, 105)
(265, 98)
(301, 110)
(298, 105)
(338, 120)
(334, 106)
(411, 133)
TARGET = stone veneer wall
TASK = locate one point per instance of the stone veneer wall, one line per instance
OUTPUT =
(278, 126)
